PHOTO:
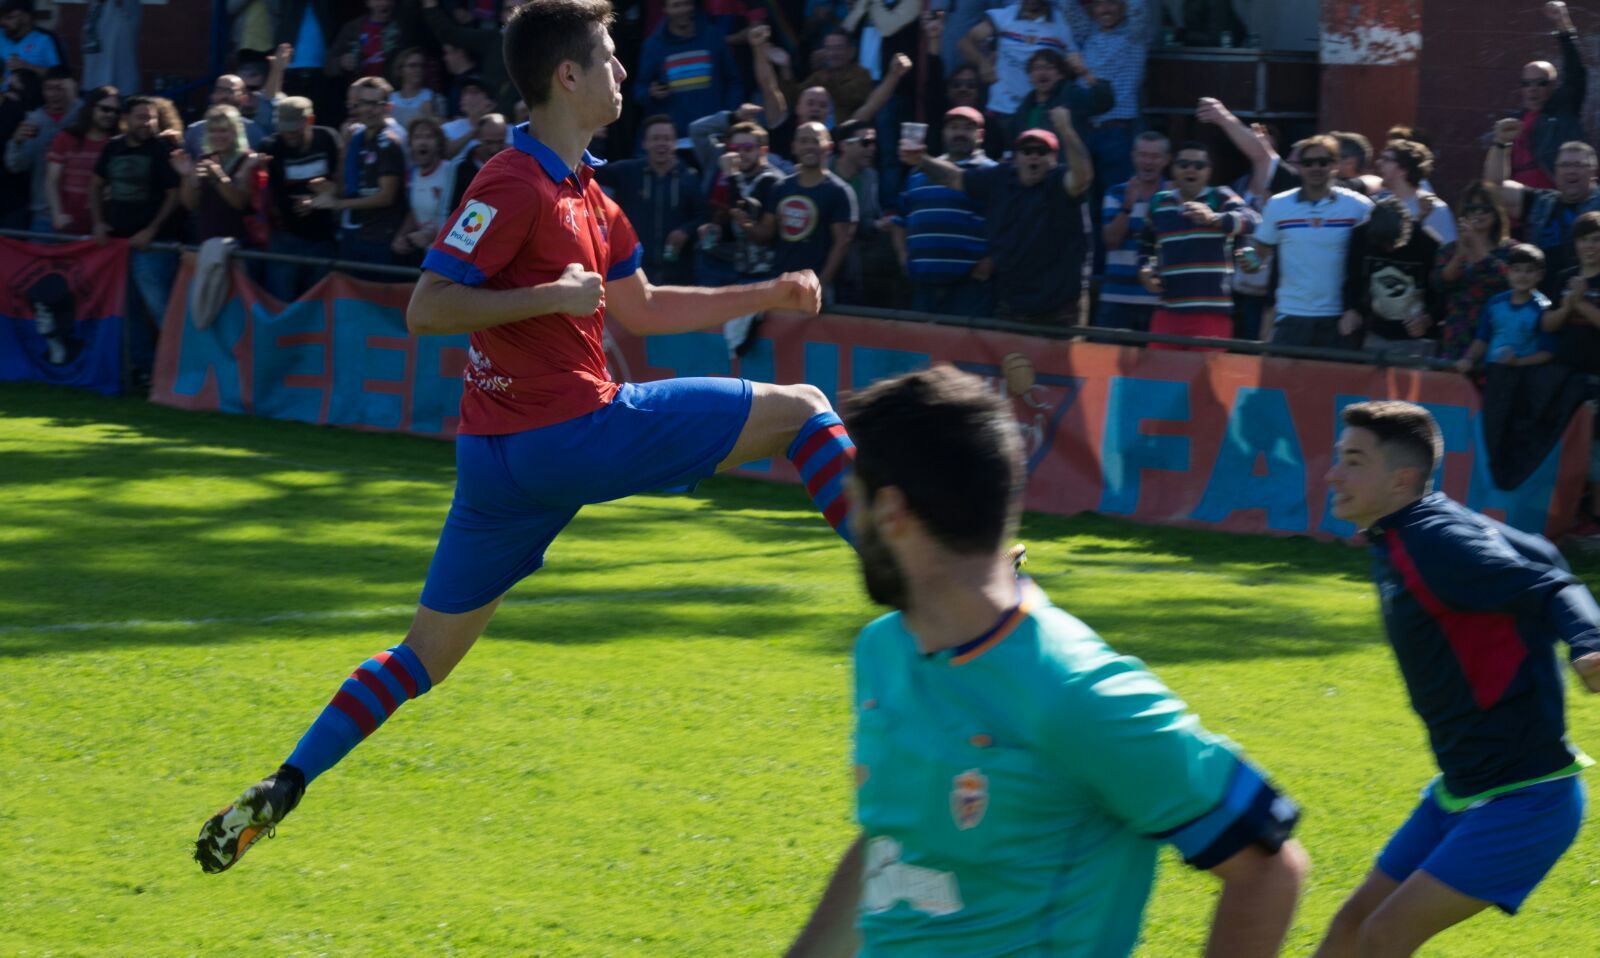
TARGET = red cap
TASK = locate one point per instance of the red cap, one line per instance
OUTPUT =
(1043, 136)
(964, 113)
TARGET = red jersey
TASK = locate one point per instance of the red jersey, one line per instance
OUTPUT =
(523, 219)
(77, 156)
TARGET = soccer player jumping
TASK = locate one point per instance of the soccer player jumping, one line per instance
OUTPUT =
(1473, 609)
(1015, 776)
(533, 263)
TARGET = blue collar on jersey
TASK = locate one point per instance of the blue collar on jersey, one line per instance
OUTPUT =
(523, 139)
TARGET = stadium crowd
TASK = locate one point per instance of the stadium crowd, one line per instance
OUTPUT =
(984, 159)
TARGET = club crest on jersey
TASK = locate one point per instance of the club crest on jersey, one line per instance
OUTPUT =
(470, 226)
(969, 798)
(797, 218)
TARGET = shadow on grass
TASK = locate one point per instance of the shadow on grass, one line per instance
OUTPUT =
(253, 537)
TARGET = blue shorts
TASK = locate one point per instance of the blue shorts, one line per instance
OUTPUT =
(1496, 852)
(515, 492)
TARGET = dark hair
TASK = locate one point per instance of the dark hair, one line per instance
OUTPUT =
(1193, 145)
(131, 102)
(84, 121)
(541, 35)
(1483, 193)
(1388, 223)
(1525, 254)
(650, 121)
(1586, 225)
(59, 72)
(749, 128)
(1353, 145)
(1054, 58)
(31, 89)
(850, 129)
(1407, 432)
(950, 445)
(1415, 159)
(402, 57)
(1415, 134)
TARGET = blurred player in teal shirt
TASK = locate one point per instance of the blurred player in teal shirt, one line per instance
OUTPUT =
(1016, 777)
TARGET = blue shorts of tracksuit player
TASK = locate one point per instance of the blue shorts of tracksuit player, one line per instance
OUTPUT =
(1495, 852)
(515, 492)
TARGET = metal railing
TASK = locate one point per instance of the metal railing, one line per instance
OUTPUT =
(1124, 337)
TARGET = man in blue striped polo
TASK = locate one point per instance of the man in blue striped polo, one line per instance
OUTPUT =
(941, 236)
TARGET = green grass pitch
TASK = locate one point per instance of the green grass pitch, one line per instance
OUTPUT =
(647, 754)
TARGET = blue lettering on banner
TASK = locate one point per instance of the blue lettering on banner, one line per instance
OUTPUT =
(274, 361)
(868, 365)
(1260, 426)
(356, 362)
(1126, 451)
(208, 354)
(435, 394)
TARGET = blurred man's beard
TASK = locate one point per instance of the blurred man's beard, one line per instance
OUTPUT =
(879, 570)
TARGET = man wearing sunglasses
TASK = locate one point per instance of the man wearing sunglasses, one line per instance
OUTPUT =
(1034, 209)
(1552, 106)
(1312, 225)
(1547, 215)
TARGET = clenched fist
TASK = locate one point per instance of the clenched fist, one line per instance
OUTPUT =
(1507, 130)
(583, 292)
(798, 291)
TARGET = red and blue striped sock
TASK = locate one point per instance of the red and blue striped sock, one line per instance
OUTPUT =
(824, 454)
(370, 695)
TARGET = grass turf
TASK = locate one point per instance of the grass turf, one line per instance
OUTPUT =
(646, 755)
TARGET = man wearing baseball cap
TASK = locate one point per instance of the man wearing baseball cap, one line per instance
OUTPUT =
(1033, 206)
(941, 237)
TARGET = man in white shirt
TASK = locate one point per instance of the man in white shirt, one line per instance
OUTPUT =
(1018, 31)
(1309, 230)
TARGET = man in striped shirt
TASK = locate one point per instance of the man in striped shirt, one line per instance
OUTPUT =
(942, 238)
(1124, 302)
(1188, 249)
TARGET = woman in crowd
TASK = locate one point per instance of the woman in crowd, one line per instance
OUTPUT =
(412, 97)
(169, 121)
(219, 188)
(1472, 269)
(428, 182)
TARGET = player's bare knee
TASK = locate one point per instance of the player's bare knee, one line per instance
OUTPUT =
(1378, 937)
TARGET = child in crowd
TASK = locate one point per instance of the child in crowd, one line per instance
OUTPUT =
(1510, 331)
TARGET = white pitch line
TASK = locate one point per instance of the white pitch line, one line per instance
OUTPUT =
(325, 614)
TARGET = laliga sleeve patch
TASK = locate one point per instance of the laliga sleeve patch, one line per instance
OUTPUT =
(470, 226)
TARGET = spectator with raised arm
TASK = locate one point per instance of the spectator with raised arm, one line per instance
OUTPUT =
(1187, 249)
(29, 145)
(940, 234)
(1404, 165)
(1471, 270)
(685, 68)
(219, 188)
(814, 105)
(1033, 206)
(728, 254)
(1547, 215)
(1552, 106)
(69, 170)
(663, 199)
(299, 154)
(135, 197)
(1015, 32)
(1124, 301)
(840, 73)
(1307, 230)
(718, 124)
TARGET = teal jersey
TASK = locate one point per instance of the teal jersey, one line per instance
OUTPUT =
(1013, 792)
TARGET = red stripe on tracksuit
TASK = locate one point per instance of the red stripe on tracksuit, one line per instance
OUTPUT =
(1486, 644)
